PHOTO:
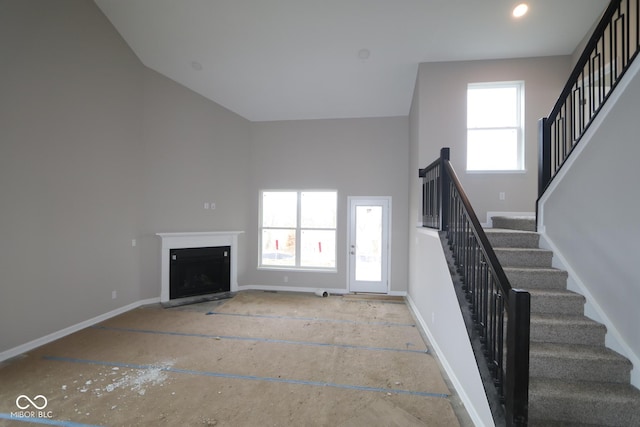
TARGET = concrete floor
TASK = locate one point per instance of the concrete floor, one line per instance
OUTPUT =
(257, 359)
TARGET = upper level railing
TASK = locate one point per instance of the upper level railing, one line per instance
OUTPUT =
(492, 300)
(607, 55)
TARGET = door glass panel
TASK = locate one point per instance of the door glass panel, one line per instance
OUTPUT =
(368, 250)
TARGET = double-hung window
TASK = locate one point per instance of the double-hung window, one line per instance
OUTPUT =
(298, 229)
(495, 130)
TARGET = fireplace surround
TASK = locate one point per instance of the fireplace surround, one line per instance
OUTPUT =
(192, 240)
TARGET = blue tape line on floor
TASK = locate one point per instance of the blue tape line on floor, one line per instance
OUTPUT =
(314, 319)
(46, 421)
(267, 340)
(245, 377)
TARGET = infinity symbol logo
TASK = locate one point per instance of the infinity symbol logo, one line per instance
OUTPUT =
(22, 397)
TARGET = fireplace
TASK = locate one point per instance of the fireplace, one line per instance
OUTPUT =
(199, 271)
(202, 279)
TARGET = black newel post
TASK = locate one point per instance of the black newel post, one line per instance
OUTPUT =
(445, 189)
(517, 372)
(544, 158)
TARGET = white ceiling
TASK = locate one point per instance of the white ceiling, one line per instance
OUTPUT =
(299, 59)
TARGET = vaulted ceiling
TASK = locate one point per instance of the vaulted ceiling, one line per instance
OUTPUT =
(309, 59)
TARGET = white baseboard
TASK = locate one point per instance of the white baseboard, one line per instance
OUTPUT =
(397, 293)
(468, 404)
(8, 354)
(333, 291)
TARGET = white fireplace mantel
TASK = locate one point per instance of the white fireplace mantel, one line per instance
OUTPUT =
(197, 239)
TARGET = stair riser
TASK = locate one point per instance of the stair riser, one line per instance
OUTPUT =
(561, 334)
(577, 411)
(579, 370)
(514, 223)
(542, 279)
(524, 258)
(510, 240)
(570, 305)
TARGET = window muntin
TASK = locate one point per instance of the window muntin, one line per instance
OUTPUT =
(298, 229)
(495, 140)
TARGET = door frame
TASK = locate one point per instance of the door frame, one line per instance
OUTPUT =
(372, 200)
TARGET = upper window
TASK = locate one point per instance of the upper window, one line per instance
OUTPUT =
(495, 129)
(298, 229)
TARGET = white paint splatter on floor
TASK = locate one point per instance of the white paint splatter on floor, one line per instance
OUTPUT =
(137, 380)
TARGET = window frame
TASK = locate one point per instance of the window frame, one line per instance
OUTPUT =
(298, 232)
(519, 85)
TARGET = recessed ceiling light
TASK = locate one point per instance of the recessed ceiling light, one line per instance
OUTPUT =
(520, 10)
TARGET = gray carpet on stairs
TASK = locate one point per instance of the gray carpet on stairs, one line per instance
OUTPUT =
(575, 380)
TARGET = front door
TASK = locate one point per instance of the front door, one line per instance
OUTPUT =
(369, 244)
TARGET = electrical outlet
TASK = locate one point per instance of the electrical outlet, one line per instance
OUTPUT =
(212, 205)
(133, 243)
(286, 279)
(114, 294)
(503, 196)
(206, 205)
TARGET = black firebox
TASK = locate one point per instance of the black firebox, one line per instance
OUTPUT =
(199, 271)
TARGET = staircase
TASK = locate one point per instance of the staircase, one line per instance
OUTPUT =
(574, 379)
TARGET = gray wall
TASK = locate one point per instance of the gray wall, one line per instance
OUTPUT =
(442, 92)
(357, 157)
(70, 154)
(97, 150)
(194, 151)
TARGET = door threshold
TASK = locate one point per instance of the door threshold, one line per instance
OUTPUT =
(373, 296)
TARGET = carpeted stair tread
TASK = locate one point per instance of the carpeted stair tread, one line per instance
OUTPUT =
(574, 351)
(503, 237)
(536, 277)
(568, 329)
(524, 257)
(550, 423)
(556, 301)
(583, 402)
(578, 362)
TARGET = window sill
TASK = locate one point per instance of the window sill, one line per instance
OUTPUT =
(499, 172)
(298, 269)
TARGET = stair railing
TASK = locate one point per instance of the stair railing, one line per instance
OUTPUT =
(607, 56)
(492, 300)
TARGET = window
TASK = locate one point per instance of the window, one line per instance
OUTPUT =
(298, 229)
(495, 131)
